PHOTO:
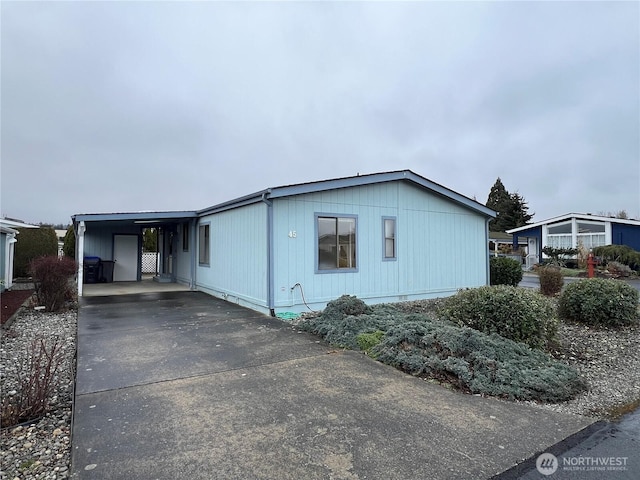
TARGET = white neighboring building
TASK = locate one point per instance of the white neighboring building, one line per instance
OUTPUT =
(8, 239)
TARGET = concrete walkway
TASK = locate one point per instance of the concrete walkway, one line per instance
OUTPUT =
(182, 385)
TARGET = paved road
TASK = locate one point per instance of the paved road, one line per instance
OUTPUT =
(183, 385)
(530, 280)
(605, 451)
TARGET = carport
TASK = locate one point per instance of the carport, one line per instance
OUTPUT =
(109, 250)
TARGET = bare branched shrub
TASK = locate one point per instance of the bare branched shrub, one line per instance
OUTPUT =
(51, 279)
(38, 371)
(583, 255)
(551, 280)
(617, 269)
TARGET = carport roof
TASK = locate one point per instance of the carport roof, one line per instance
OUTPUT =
(140, 217)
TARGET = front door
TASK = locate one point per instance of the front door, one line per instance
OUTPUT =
(125, 255)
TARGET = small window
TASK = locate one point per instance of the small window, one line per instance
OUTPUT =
(203, 244)
(185, 237)
(590, 227)
(336, 243)
(389, 238)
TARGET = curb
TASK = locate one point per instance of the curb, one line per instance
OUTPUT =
(20, 309)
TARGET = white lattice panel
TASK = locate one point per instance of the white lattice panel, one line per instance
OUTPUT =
(150, 262)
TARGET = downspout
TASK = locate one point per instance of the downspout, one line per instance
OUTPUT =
(270, 295)
(80, 255)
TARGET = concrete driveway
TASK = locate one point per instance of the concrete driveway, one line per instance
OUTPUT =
(182, 385)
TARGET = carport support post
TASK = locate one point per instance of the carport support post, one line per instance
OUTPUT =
(193, 225)
(81, 229)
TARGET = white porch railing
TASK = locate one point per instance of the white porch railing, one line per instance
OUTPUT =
(531, 260)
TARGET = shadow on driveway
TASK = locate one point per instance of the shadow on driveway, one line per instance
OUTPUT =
(183, 385)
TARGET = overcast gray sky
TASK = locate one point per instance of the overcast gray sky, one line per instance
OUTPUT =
(128, 106)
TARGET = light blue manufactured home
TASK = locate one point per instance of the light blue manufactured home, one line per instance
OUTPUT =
(383, 237)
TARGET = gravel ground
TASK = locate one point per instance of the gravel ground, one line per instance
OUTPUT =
(609, 361)
(42, 449)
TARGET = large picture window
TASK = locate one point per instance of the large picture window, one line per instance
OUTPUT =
(203, 244)
(588, 234)
(559, 235)
(336, 243)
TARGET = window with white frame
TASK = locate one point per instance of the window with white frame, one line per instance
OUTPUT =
(389, 237)
(559, 235)
(591, 234)
(588, 234)
(336, 245)
(203, 244)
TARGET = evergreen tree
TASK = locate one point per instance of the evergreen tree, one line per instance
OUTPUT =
(499, 200)
(517, 214)
(511, 208)
(149, 240)
(33, 243)
(69, 246)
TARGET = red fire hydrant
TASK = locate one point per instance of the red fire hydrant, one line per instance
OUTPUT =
(591, 263)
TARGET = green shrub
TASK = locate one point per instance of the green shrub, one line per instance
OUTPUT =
(477, 363)
(516, 313)
(560, 256)
(468, 359)
(619, 253)
(366, 341)
(599, 302)
(504, 271)
(69, 245)
(51, 280)
(551, 280)
(343, 320)
(33, 243)
(343, 330)
(346, 305)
